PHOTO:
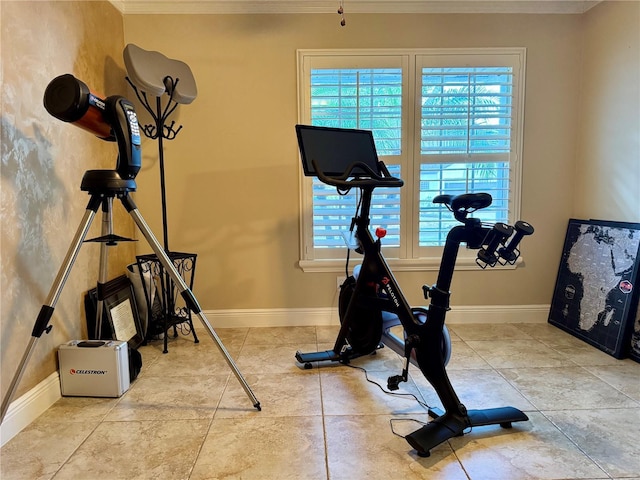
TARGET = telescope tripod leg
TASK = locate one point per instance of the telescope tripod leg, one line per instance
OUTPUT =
(42, 322)
(107, 229)
(186, 293)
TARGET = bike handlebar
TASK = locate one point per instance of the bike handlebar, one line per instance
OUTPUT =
(369, 178)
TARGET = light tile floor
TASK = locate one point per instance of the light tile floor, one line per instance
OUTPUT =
(187, 417)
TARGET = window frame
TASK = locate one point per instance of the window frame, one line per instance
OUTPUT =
(410, 256)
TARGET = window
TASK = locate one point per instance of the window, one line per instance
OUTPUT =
(445, 121)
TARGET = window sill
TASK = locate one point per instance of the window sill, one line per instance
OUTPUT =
(398, 265)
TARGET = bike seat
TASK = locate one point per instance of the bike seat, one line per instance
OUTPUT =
(465, 201)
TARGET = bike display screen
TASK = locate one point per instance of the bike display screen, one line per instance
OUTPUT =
(335, 150)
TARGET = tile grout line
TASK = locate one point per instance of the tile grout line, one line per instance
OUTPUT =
(324, 424)
(575, 444)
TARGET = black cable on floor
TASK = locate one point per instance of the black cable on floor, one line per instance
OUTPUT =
(396, 394)
(366, 376)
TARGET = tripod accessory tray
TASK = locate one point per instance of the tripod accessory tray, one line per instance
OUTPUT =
(94, 368)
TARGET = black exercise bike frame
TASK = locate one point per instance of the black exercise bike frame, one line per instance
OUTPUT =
(424, 338)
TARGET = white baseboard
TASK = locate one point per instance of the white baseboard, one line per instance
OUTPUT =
(30, 406)
(300, 317)
(499, 314)
(272, 317)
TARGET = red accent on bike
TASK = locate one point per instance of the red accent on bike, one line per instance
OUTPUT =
(381, 232)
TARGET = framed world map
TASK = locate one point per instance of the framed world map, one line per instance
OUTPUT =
(596, 295)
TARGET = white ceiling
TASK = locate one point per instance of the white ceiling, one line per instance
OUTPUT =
(352, 6)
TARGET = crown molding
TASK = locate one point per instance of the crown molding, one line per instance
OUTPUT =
(132, 7)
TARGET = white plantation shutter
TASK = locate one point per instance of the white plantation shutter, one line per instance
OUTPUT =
(368, 99)
(466, 117)
(445, 120)
(466, 111)
(362, 98)
(434, 222)
(332, 213)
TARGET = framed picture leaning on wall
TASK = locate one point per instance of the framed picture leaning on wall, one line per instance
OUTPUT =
(596, 292)
(120, 320)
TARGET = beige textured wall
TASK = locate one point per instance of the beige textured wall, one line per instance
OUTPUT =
(608, 160)
(43, 161)
(233, 174)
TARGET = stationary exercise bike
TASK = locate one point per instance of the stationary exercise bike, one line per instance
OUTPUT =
(371, 303)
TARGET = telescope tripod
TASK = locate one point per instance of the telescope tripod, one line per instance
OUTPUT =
(104, 186)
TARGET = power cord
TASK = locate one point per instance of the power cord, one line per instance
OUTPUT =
(395, 394)
(384, 390)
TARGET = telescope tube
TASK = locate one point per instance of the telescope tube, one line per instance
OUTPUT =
(70, 100)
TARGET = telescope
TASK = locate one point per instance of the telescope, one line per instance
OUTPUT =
(112, 119)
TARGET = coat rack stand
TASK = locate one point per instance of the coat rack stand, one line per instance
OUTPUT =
(166, 309)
